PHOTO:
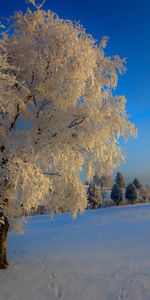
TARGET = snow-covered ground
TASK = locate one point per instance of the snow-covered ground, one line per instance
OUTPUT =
(103, 254)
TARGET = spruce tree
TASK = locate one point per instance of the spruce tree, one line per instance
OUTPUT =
(94, 196)
(137, 183)
(131, 193)
(116, 194)
(106, 182)
(120, 180)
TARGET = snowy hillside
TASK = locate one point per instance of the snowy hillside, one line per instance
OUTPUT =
(102, 255)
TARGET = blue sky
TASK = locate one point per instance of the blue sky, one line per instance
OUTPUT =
(127, 23)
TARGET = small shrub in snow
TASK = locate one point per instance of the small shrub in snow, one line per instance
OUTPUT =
(109, 203)
(17, 225)
(123, 202)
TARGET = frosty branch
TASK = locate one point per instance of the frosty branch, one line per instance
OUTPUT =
(47, 65)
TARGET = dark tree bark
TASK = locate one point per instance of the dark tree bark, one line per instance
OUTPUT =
(4, 225)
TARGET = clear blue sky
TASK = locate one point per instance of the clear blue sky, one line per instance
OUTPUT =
(127, 23)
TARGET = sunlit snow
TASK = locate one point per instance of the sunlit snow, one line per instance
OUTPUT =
(102, 255)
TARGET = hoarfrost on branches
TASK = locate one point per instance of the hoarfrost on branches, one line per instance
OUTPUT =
(57, 112)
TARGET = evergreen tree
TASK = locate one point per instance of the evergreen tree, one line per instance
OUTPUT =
(116, 194)
(137, 183)
(106, 181)
(131, 193)
(144, 193)
(120, 180)
(94, 196)
(103, 181)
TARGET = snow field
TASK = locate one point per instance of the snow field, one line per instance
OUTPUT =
(102, 255)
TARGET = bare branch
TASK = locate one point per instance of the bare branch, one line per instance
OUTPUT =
(76, 121)
(12, 125)
(38, 6)
(42, 106)
(52, 174)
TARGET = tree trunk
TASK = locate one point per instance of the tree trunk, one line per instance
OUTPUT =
(4, 225)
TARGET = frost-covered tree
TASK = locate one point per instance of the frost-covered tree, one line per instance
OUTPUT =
(103, 181)
(116, 194)
(145, 193)
(96, 180)
(57, 114)
(106, 181)
(120, 180)
(94, 196)
(131, 193)
(137, 183)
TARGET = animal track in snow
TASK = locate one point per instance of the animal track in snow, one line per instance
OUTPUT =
(58, 291)
(54, 287)
(123, 294)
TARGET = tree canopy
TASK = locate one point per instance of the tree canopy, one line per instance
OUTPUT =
(137, 183)
(57, 112)
(131, 193)
(94, 196)
(116, 194)
(120, 180)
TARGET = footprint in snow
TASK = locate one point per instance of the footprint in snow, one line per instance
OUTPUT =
(52, 275)
(58, 291)
(123, 294)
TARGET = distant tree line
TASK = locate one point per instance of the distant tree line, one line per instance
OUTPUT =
(121, 194)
